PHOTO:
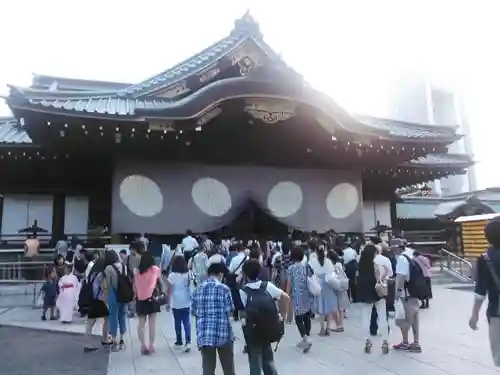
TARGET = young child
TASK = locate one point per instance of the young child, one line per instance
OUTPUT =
(68, 294)
(50, 290)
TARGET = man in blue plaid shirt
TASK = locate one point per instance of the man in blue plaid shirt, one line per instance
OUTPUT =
(212, 306)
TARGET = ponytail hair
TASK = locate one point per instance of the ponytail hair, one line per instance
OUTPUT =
(321, 256)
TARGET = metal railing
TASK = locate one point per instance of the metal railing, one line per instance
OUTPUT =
(9, 242)
(20, 282)
(454, 263)
(24, 270)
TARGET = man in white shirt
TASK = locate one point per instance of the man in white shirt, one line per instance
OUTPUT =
(411, 304)
(349, 254)
(236, 265)
(350, 259)
(189, 245)
(384, 265)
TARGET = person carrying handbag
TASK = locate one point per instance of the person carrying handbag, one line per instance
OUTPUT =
(371, 289)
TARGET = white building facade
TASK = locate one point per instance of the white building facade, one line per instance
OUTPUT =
(415, 99)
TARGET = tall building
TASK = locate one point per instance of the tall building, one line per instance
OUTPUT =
(414, 98)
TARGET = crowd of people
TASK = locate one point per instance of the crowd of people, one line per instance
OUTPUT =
(265, 285)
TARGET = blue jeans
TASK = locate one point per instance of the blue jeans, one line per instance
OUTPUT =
(117, 311)
(182, 318)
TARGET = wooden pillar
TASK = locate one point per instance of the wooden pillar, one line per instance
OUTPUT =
(1, 214)
(58, 214)
(394, 217)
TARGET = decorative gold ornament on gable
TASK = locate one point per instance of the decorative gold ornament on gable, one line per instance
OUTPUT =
(173, 91)
(247, 58)
(209, 74)
(270, 111)
(208, 116)
(161, 126)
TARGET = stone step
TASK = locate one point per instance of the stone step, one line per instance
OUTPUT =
(442, 277)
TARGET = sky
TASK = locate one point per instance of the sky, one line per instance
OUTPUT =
(352, 50)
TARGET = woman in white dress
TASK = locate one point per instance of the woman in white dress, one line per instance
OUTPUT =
(342, 297)
(326, 302)
(68, 294)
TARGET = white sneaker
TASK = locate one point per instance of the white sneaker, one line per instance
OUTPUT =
(301, 344)
(187, 347)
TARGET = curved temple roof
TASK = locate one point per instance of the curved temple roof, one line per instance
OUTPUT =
(193, 88)
(11, 133)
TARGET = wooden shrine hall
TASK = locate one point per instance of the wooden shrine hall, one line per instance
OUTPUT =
(189, 147)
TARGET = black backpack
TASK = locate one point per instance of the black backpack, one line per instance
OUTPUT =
(86, 295)
(125, 288)
(416, 286)
(231, 277)
(263, 322)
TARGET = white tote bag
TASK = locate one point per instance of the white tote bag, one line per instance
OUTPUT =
(400, 313)
(344, 281)
(333, 280)
(313, 283)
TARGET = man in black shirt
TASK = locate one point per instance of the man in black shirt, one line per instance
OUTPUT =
(488, 284)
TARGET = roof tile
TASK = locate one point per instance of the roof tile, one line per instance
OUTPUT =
(442, 159)
(11, 133)
(426, 210)
(404, 129)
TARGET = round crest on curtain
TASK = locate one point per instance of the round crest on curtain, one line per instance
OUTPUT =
(141, 195)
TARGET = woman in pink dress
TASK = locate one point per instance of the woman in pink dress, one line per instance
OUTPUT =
(148, 288)
(68, 289)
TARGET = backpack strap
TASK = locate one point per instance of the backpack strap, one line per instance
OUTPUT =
(118, 273)
(124, 269)
(263, 285)
(241, 264)
(494, 274)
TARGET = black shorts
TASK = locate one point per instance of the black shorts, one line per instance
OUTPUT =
(97, 309)
(147, 307)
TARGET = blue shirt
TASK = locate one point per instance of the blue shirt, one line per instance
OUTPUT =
(211, 305)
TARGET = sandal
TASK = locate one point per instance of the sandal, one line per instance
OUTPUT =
(106, 344)
(151, 349)
(368, 346)
(385, 347)
(144, 350)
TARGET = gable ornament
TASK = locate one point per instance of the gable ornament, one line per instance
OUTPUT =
(270, 111)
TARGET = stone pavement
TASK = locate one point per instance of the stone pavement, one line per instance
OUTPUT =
(27, 352)
(450, 347)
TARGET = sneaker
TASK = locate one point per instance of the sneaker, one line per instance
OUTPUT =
(187, 347)
(53, 318)
(178, 343)
(121, 345)
(385, 347)
(401, 346)
(44, 318)
(307, 346)
(368, 346)
(301, 344)
(415, 347)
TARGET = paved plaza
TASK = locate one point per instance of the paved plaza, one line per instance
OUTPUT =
(450, 347)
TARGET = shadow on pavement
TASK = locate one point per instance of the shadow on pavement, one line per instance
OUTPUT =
(27, 351)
